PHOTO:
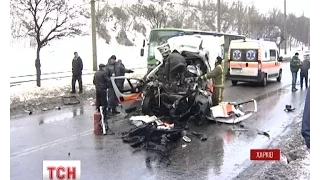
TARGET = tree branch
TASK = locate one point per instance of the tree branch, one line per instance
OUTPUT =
(55, 29)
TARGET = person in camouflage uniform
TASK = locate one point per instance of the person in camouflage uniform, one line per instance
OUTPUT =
(217, 75)
(295, 65)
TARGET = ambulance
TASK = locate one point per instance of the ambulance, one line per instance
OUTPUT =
(254, 61)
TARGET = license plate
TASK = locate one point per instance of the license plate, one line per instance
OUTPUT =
(236, 71)
(249, 71)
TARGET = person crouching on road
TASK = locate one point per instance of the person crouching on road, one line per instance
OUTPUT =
(217, 76)
(111, 70)
(122, 71)
(304, 72)
(295, 64)
(305, 129)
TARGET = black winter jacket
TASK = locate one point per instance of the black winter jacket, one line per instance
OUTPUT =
(305, 66)
(121, 69)
(110, 69)
(77, 66)
(101, 80)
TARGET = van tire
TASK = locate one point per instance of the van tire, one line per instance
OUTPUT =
(264, 80)
(234, 83)
(279, 76)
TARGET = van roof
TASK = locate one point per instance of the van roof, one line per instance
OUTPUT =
(266, 44)
(252, 40)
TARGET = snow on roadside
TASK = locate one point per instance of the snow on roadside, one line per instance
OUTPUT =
(304, 170)
(28, 97)
(58, 56)
(294, 163)
(293, 51)
(55, 87)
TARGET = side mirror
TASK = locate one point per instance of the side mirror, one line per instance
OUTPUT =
(142, 52)
(144, 43)
(280, 59)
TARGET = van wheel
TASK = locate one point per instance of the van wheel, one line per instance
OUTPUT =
(234, 83)
(264, 80)
(280, 76)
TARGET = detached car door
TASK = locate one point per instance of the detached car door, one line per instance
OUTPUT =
(130, 96)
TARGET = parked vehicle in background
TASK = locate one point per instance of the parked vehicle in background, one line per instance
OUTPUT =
(254, 61)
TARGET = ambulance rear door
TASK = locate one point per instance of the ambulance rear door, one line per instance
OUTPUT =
(244, 61)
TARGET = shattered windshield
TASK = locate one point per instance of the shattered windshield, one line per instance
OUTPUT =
(156, 39)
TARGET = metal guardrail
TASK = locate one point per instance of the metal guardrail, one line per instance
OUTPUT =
(54, 75)
(43, 74)
(49, 78)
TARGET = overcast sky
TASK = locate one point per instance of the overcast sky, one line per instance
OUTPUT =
(293, 6)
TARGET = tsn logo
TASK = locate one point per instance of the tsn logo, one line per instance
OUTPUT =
(61, 170)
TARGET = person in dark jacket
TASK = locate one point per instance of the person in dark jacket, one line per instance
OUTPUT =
(122, 70)
(305, 129)
(304, 72)
(295, 64)
(111, 70)
(175, 64)
(101, 82)
(77, 67)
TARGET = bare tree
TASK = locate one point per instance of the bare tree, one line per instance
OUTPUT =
(155, 15)
(175, 16)
(46, 20)
(103, 16)
(227, 18)
(208, 14)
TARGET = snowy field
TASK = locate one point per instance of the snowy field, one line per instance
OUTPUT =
(27, 91)
(58, 56)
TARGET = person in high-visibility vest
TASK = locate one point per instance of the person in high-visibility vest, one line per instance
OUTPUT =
(217, 75)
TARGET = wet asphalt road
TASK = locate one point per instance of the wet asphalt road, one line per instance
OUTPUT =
(52, 135)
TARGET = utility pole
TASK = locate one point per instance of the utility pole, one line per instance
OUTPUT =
(94, 35)
(249, 22)
(285, 27)
(309, 36)
(219, 15)
(239, 17)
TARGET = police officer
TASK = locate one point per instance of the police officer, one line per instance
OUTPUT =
(111, 70)
(120, 71)
(217, 75)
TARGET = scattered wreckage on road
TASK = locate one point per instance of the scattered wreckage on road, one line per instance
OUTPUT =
(172, 94)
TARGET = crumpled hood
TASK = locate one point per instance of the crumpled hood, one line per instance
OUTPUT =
(203, 44)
